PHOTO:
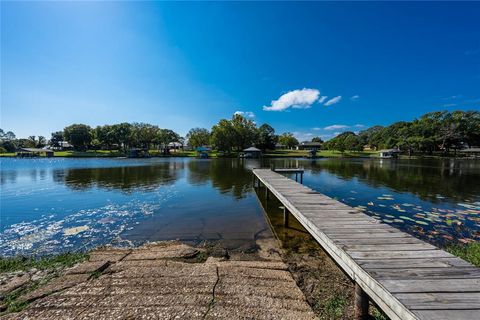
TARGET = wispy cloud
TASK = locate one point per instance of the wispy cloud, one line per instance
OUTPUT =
(322, 99)
(317, 128)
(333, 101)
(359, 125)
(301, 99)
(248, 114)
(355, 97)
(449, 105)
(336, 127)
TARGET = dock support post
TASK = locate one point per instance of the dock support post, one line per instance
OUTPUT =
(285, 217)
(301, 178)
(266, 193)
(361, 303)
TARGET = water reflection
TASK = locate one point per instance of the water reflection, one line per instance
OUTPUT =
(453, 179)
(226, 175)
(126, 179)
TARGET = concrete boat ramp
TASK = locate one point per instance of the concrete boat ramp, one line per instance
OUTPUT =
(158, 282)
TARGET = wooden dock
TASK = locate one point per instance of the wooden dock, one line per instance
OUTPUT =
(405, 277)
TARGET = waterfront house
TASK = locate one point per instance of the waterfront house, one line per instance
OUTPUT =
(34, 152)
(389, 153)
(252, 152)
(309, 145)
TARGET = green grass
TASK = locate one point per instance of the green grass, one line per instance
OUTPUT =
(50, 262)
(7, 154)
(469, 252)
(335, 306)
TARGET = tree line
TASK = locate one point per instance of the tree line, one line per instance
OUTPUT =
(233, 134)
(439, 131)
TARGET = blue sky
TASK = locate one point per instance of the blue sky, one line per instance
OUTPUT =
(309, 68)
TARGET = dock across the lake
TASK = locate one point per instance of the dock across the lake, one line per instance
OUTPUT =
(405, 277)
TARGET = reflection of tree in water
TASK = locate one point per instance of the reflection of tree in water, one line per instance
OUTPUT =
(127, 179)
(453, 179)
(226, 175)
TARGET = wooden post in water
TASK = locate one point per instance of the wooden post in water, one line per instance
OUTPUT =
(361, 304)
(266, 194)
(285, 217)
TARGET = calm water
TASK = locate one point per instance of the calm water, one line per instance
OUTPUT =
(54, 205)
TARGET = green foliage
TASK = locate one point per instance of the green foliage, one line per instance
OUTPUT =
(335, 306)
(198, 137)
(435, 131)
(78, 135)
(469, 252)
(56, 138)
(288, 140)
(317, 139)
(266, 137)
(48, 262)
(235, 134)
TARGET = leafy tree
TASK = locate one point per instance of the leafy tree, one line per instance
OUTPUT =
(198, 137)
(41, 142)
(288, 139)
(223, 135)
(245, 132)
(266, 137)
(78, 135)
(317, 139)
(56, 138)
(121, 135)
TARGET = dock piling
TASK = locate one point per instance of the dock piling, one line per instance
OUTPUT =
(360, 304)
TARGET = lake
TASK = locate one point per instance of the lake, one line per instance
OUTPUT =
(56, 205)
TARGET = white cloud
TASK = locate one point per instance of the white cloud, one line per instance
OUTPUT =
(301, 99)
(336, 127)
(248, 114)
(333, 101)
(322, 99)
(359, 125)
(316, 128)
(355, 97)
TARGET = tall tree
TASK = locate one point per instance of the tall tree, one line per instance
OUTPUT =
(288, 139)
(266, 137)
(78, 135)
(198, 137)
(56, 138)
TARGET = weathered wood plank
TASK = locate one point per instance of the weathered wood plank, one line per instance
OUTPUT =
(396, 247)
(412, 263)
(426, 273)
(441, 300)
(432, 285)
(447, 314)
(391, 254)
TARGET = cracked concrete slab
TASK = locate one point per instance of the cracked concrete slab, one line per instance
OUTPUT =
(145, 283)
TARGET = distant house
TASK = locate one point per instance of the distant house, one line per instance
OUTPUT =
(389, 153)
(175, 145)
(280, 146)
(368, 147)
(251, 152)
(308, 145)
(34, 152)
